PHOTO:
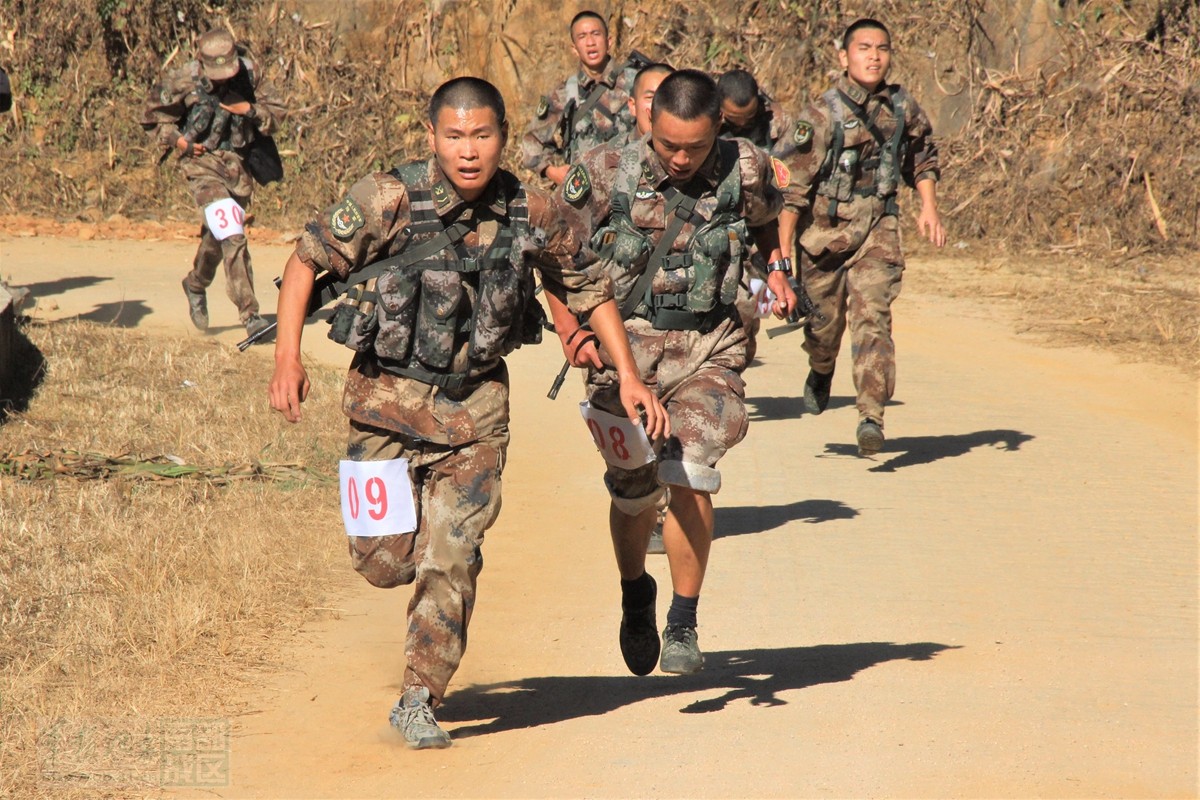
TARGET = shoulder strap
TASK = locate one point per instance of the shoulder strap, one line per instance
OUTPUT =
(682, 205)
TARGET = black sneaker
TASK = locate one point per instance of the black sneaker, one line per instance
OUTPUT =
(413, 716)
(816, 391)
(681, 653)
(197, 307)
(639, 635)
(870, 437)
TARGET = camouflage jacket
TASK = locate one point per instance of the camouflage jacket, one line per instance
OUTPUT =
(174, 99)
(543, 143)
(847, 199)
(590, 186)
(770, 125)
(375, 221)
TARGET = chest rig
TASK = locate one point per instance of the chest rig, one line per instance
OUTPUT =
(704, 276)
(846, 174)
(437, 293)
(581, 130)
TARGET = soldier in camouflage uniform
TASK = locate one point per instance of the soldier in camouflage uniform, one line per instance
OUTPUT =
(439, 258)
(213, 110)
(748, 113)
(846, 156)
(587, 109)
(670, 224)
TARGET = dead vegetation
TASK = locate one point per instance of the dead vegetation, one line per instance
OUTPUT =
(129, 597)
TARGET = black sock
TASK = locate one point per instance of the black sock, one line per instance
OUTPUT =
(683, 610)
(638, 592)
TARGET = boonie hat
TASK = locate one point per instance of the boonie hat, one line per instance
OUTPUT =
(218, 55)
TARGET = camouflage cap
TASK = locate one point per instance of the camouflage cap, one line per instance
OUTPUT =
(218, 55)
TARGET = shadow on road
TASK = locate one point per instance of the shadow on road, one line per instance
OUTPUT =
(757, 676)
(740, 520)
(63, 285)
(763, 409)
(122, 314)
(916, 450)
(26, 373)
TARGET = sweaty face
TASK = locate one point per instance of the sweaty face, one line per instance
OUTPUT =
(682, 145)
(468, 143)
(643, 98)
(867, 57)
(590, 41)
(739, 116)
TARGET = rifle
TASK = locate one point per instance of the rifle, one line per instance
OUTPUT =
(322, 293)
(805, 310)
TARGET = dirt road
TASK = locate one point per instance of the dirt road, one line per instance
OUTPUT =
(1002, 603)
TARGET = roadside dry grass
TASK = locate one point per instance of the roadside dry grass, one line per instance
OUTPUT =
(137, 602)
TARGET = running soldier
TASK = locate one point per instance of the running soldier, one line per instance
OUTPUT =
(438, 258)
(587, 109)
(847, 155)
(218, 113)
(670, 225)
(747, 112)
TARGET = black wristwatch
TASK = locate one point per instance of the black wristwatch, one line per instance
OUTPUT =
(782, 265)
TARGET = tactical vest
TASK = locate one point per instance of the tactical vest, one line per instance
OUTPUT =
(422, 310)
(759, 133)
(209, 124)
(709, 267)
(845, 174)
(579, 130)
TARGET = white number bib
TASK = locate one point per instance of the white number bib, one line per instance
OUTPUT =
(622, 443)
(225, 218)
(377, 497)
(764, 298)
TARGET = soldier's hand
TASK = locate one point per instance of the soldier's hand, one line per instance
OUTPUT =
(785, 297)
(288, 389)
(929, 223)
(187, 148)
(643, 405)
(557, 174)
(241, 107)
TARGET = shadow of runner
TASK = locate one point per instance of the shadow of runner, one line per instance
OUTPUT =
(26, 373)
(740, 520)
(63, 285)
(759, 676)
(122, 314)
(917, 450)
(763, 409)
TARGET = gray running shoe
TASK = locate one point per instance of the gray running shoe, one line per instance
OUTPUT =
(254, 324)
(413, 716)
(681, 653)
(639, 636)
(816, 391)
(197, 307)
(870, 437)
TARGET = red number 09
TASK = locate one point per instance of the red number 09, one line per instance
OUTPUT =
(376, 492)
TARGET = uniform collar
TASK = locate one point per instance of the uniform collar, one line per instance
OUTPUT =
(447, 200)
(656, 176)
(608, 77)
(860, 95)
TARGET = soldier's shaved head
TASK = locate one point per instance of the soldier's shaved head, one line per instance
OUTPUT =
(864, 23)
(582, 15)
(465, 94)
(650, 69)
(738, 87)
(688, 94)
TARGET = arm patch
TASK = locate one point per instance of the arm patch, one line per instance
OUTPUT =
(577, 185)
(346, 219)
(803, 134)
(543, 107)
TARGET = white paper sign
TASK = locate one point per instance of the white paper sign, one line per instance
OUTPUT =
(622, 443)
(225, 218)
(764, 298)
(377, 497)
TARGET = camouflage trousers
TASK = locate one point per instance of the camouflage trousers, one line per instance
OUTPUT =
(698, 379)
(457, 498)
(858, 289)
(211, 177)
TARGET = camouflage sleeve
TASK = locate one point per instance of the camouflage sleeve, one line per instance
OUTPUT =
(539, 145)
(761, 179)
(358, 230)
(268, 105)
(783, 124)
(802, 152)
(921, 162)
(167, 105)
(565, 258)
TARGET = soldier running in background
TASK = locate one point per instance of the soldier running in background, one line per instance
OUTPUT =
(748, 113)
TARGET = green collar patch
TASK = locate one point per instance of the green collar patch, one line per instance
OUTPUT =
(577, 185)
(543, 107)
(346, 218)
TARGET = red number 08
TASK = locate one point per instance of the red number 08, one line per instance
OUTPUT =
(376, 492)
(615, 435)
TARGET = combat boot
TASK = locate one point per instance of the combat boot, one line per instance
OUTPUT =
(681, 651)
(870, 437)
(639, 635)
(197, 307)
(413, 716)
(255, 324)
(816, 391)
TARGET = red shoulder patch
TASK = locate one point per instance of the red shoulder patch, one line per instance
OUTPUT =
(783, 176)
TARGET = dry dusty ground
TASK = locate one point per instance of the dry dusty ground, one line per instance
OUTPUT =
(1002, 603)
